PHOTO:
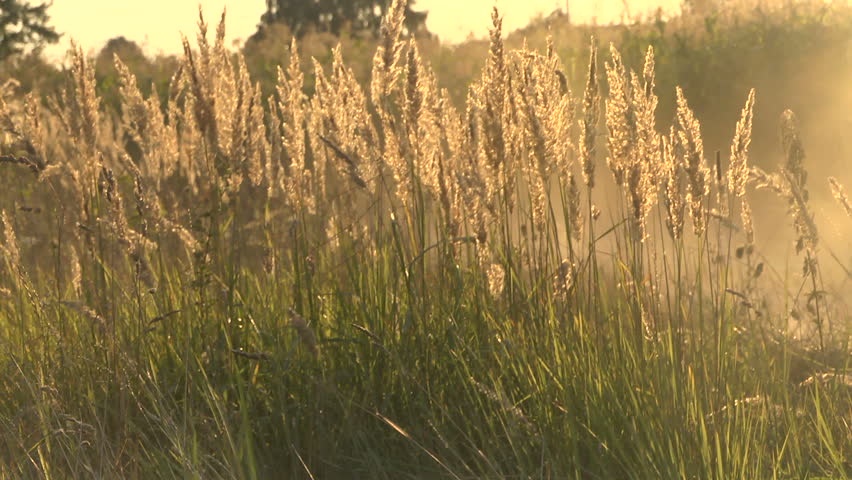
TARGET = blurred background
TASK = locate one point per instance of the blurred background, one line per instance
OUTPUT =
(92, 22)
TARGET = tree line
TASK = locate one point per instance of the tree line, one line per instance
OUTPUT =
(24, 25)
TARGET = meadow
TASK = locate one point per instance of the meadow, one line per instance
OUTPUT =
(329, 276)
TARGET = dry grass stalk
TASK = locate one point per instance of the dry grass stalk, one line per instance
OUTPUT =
(620, 118)
(10, 250)
(200, 100)
(9, 246)
(793, 172)
(144, 273)
(78, 112)
(133, 242)
(299, 184)
(471, 202)
(342, 132)
(422, 119)
(36, 138)
(721, 210)
(434, 164)
(498, 397)
(843, 380)
(22, 129)
(644, 169)
(245, 148)
(413, 91)
(645, 106)
(738, 168)
(446, 122)
(839, 194)
(309, 340)
(748, 225)
(144, 122)
(556, 102)
(531, 135)
(673, 188)
(257, 148)
(85, 103)
(112, 195)
(544, 111)
(689, 133)
(457, 164)
(273, 171)
(794, 153)
(633, 142)
(492, 102)
(87, 312)
(790, 184)
(565, 278)
(496, 279)
(589, 122)
(9, 113)
(76, 274)
(386, 61)
(575, 217)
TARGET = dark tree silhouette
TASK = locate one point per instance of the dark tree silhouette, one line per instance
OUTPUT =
(332, 15)
(22, 24)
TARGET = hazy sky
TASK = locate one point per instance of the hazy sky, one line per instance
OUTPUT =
(156, 24)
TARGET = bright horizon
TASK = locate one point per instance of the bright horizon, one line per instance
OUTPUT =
(92, 22)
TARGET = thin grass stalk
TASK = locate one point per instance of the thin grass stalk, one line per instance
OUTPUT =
(589, 122)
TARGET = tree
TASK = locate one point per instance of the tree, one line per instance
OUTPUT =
(106, 75)
(333, 15)
(22, 24)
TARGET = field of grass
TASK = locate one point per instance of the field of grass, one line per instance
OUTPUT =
(370, 282)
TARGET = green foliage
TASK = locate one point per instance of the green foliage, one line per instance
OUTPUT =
(23, 25)
(335, 16)
(152, 74)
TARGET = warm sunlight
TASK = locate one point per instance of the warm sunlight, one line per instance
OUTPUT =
(93, 22)
(607, 244)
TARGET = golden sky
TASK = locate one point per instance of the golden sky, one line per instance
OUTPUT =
(156, 24)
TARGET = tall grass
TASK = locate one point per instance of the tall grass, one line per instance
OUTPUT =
(376, 284)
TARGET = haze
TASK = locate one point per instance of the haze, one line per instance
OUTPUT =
(156, 24)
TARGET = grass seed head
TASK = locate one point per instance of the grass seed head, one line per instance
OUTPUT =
(794, 153)
(694, 165)
(738, 168)
(673, 194)
(591, 115)
(748, 225)
(620, 118)
(839, 194)
(10, 244)
(496, 279)
(309, 340)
